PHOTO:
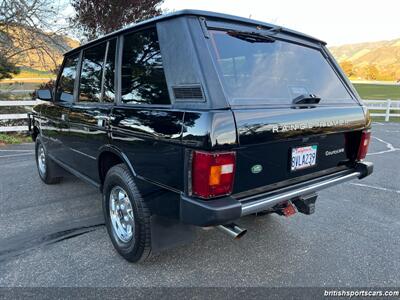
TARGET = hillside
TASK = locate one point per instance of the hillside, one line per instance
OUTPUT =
(46, 56)
(370, 61)
(30, 60)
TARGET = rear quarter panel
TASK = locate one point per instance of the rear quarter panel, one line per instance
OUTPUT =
(151, 140)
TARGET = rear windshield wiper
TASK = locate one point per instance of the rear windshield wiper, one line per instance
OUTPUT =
(306, 99)
(252, 37)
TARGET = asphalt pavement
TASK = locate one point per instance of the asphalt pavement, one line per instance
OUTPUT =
(54, 235)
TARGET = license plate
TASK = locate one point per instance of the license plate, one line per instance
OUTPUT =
(303, 157)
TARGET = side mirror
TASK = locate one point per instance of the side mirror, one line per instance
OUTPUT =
(44, 95)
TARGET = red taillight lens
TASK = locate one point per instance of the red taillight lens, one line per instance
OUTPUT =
(212, 173)
(364, 143)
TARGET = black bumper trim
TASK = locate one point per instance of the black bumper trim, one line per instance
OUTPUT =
(365, 168)
(209, 212)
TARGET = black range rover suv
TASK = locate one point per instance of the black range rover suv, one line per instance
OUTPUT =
(197, 119)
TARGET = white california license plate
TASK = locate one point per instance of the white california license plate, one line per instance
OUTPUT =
(303, 157)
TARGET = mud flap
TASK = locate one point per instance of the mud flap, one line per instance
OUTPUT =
(169, 233)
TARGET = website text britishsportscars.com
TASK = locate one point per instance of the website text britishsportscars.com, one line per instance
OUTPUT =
(362, 293)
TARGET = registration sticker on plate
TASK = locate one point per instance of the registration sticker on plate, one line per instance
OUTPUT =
(303, 157)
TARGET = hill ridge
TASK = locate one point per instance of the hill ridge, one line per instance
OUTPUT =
(379, 60)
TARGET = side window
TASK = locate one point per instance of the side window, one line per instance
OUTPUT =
(91, 73)
(109, 71)
(143, 79)
(65, 87)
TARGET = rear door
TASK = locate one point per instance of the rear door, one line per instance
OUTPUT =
(89, 115)
(284, 139)
(144, 125)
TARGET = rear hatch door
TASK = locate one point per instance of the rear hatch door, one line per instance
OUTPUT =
(296, 117)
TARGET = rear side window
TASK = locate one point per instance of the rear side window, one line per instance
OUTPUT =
(143, 79)
(91, 73)
(65, 87)
(273, 71)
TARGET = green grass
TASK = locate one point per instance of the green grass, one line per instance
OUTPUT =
(26, 72)
(14, 138)
(378, 91)
(18, 85)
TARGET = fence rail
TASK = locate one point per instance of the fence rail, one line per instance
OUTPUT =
(21, 103)
(388, 107)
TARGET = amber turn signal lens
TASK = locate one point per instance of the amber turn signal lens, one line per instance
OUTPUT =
(215, 175)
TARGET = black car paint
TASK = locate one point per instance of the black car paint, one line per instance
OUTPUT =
(155, 141)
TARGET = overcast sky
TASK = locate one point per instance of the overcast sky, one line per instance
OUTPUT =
(336, 22)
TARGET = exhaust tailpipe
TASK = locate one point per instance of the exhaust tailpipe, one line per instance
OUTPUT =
(233, 230)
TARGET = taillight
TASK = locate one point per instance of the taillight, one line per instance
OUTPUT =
(212, 173)
(364, 143)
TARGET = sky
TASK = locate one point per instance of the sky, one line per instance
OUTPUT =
(336, 22)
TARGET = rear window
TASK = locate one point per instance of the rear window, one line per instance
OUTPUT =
(274, 72)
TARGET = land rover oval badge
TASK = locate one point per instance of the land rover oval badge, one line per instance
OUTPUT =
(256, 169)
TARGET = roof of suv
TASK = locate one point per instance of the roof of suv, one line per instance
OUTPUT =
(200, 13)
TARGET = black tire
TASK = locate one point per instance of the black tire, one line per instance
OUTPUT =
(139, 247)
(49, 174)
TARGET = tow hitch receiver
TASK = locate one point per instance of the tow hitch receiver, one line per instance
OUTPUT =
(306, 204)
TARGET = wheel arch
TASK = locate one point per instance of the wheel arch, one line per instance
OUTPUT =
(108, 157)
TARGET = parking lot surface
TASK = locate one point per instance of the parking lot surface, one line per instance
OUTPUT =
(54, 235)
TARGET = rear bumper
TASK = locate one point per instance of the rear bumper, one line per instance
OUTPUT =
(224, 210)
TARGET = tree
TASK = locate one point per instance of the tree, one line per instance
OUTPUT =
(372, 72)
(99, 17)
(27, 28)
(347, 67)
(7, 68)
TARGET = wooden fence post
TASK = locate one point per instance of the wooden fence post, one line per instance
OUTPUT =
(387, 110)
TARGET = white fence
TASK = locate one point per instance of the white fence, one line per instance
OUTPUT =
(388, 107)
(16, 116)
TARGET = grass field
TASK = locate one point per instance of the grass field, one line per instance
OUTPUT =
(14, 138)
(26, 72)
(378, 91)
(366, 90)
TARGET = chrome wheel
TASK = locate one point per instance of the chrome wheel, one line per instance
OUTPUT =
(121, 214)
(41, 158)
